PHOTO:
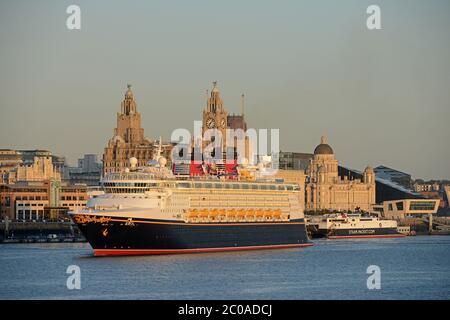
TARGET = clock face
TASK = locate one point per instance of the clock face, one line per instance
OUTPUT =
(223, 123)
(210, 123)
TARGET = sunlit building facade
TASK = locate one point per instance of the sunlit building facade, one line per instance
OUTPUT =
(326, 190)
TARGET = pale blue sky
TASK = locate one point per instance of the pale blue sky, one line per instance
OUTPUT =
(306, 67)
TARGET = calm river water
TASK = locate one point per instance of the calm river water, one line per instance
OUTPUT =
(411, 268)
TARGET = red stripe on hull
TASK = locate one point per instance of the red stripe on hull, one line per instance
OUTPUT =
(104, 252)
(369, 236)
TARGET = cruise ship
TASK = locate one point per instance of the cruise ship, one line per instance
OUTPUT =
(148, 210)
(356, 225)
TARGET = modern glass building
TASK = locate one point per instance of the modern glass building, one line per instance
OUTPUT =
(407, 208)
(386, 190)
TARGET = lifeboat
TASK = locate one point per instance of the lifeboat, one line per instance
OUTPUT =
(221, 214)
(251, 214)
(193, 213)
(268, 214)
(259, 214)
(241, 214)
(214, 214)
(231, 214)
(277, 214)
(203, 213)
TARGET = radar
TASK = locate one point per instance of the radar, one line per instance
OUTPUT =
(266, 159)
(162, 162)
(133, 162)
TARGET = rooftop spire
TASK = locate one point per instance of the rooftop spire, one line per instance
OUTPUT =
(128, 104)
(215, 102)
(215, 88)
(129, 93)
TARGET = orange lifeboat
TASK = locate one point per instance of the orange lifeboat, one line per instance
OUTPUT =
(221, 214)
(203, 213)
(211, 214)
(267, 214)
(193, 213)
(277, 214)
(250, 214)
(231, 214)
(260, 213)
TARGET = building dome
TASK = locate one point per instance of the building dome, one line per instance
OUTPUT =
(323, 147)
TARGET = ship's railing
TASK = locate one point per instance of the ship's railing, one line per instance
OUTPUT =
(128, 176)
(103, 208)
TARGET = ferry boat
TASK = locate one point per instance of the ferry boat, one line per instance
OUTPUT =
(345, 226)
(148, 210)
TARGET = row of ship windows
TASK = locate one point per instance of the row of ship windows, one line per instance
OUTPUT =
(142, 186)
(31, 198)
(43, 205)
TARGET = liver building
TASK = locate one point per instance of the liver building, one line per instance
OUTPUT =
(326, 190)
(215, 116)
(128, 140)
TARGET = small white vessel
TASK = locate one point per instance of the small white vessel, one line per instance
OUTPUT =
(356, 225)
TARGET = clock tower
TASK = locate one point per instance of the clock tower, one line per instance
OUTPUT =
(215, 116)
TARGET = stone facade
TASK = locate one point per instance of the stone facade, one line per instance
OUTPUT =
(128, 140)
(326, 190)
(43, 200)
(215, 116)
(42, 169)
(9, 160)
(294, 176)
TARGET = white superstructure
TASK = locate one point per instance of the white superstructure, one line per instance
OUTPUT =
(153, 192)
(354, 221)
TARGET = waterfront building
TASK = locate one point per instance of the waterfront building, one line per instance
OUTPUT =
(128, 139)
(294, 176)
(399, 177)
(407, 208)
(89, 163)
(28, 158)
(40, 169)
(42, 200)
(326, 190)
(294, 160)
(426, 187)
(385, 189)
(216, 116)
(9, 159)
(447, 195)
(88, 171)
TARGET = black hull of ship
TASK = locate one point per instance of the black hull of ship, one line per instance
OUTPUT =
(361, 233)
(119, 236)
